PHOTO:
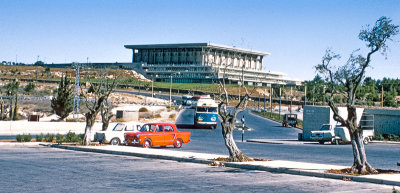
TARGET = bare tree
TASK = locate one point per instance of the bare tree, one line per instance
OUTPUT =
(347, 78)
(100, 92)
(228, 116)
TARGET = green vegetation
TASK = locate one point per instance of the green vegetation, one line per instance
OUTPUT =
(29, 87)
(39, 138)
(275, 117)
(386, 137)
(24, 138)
(62, 103)
(49, 137)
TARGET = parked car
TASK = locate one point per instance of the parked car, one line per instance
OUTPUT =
(157, 134)
(337, 135)
(289, 119)
(115, 136)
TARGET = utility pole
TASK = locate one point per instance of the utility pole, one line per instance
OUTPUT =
(152, 87)
(265, 91)
(291, 99)
(270, 99)
(305, 95)
(382, 95)
(76, 93)
(280, 102)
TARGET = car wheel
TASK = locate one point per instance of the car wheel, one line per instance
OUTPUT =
(366, 141)
(115, 141)
(334, 142)
(321, 142)
(178, 143)
(146, 143)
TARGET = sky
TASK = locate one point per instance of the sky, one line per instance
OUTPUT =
(295, 32)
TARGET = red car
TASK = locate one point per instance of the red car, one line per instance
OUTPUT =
(157, 134)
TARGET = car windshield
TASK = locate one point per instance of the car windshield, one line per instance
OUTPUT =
(119, 127)
(149, 128)
(325, 128)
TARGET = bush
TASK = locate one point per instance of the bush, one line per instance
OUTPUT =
(60, 138)
(172, 116)
(27, 138)
(24, 138)
(39, 138)
(49, 137)
(19, 138)
(71, 137)
(143, 109)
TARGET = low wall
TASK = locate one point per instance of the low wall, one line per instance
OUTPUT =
(35, 128)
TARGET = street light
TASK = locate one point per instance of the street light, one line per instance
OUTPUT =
(170, 88)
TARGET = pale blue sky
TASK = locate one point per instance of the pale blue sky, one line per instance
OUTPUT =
(295, 32)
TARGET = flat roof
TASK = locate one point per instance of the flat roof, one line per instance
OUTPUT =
(196, 45)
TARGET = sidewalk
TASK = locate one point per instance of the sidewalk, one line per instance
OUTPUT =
(278, 166)
(297, 142)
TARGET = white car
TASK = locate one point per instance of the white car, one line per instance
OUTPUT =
(115, 136)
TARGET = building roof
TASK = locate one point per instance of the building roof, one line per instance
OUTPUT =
(197, 45)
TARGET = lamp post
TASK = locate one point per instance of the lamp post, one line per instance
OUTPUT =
(270, 99)
(280, 102)
(170, 88)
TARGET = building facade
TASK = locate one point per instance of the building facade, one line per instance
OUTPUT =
(205, 63)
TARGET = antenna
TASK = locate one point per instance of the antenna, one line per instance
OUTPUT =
(77, 66)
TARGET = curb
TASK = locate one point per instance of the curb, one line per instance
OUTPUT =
(235, 165)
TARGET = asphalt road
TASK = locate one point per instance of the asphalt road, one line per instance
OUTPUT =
(44, 169)
(382, 156)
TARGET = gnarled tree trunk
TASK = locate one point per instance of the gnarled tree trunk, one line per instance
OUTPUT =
(235, 155)
(90, 119)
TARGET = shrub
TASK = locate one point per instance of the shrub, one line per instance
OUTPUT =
(24, 138)
(71, 137)
(39, 138)
(19, 138)
(60, 138)
(143, 109)
(49, 137)
(172, 116)
(27, 138)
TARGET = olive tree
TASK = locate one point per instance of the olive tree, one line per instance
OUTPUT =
(228, 115)
(349, 77)
(94, 101)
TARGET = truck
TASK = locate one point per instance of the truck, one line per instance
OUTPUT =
(337, 134)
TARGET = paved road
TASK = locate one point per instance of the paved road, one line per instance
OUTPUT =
(43, 169)
(383, 156)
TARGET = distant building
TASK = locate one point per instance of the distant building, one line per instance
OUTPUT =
(204, 63)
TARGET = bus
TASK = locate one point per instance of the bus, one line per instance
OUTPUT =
(206, 114)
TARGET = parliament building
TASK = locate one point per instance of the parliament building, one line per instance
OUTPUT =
(205, 63)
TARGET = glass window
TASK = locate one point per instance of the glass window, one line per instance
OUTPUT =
(168, 128)
(159, 128)
(119, 127)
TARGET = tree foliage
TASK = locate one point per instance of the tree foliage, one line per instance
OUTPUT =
(347, 79)
(63, 100)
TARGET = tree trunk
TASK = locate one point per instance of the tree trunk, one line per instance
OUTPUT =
(90, 119)
(15, 115)
(235, 155)
(10, 113)
(360, 164)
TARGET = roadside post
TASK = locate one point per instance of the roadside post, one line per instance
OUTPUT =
(242, 127)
